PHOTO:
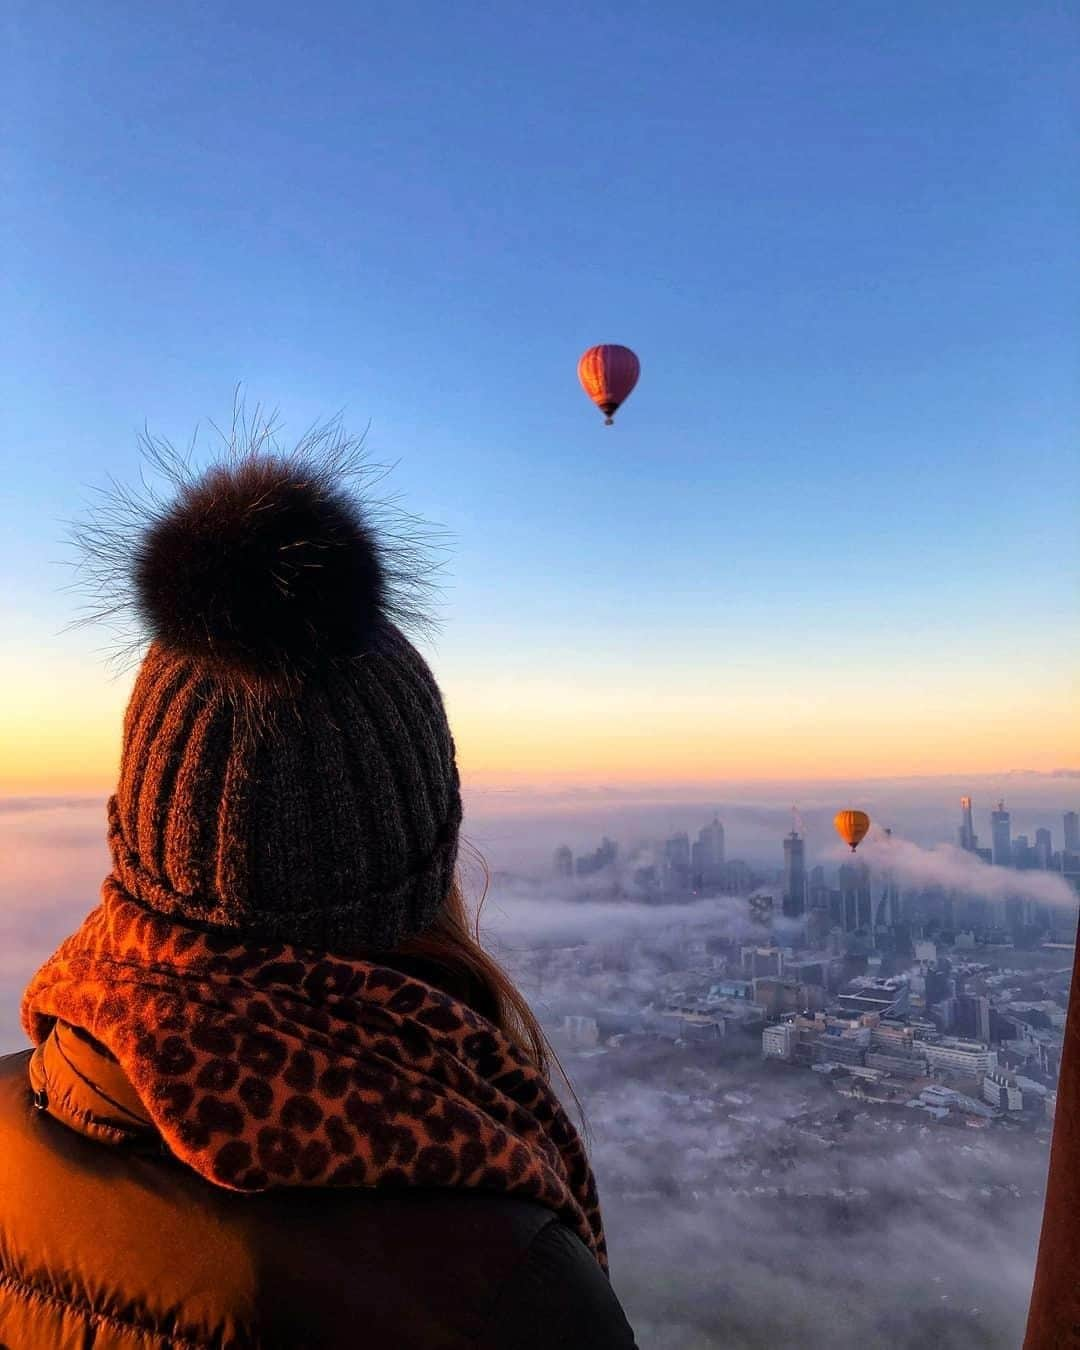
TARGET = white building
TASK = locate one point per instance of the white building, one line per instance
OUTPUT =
(777, 1041)
(956, 1056)
(938, 1097)
(582, 1032)
(1002, 1092)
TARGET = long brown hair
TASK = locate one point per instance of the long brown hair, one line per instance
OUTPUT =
(450, 955)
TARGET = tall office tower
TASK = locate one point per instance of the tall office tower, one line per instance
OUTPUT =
(794, 903)
(856, 900)
(939, 986)
(1072, 831)
(973, 1017)
(711, 839)
(817, 891)
(677, 864)
(890, 893)
(999, 833)
(677, 850)
(968, 839)
(564, 862)
(1044, 849)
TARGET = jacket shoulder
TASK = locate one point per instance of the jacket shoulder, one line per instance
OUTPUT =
(558, 1296)
(438, 1269)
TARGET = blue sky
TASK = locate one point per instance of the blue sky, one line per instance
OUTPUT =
(841, 238)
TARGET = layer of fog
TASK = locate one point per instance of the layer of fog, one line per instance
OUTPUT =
(953, 869)
(52, 860)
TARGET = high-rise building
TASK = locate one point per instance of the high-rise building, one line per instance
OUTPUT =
(968, 838)
(1072, 832)
(939, 986)
(794, 902)
(1022, 852)
(973, 1017)
(564, 862)
(818, 891)
(707, 856)
(711, 839)
(677, 863)
(890, 894)
(999, 833)
(588, 863)
(856, 900)
(677, 850)
(1044, 849)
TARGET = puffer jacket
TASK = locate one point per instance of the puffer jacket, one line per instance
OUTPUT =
(109, 1243)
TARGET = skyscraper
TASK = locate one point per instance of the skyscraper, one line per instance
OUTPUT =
(1072, 831)
(711, 839)
(564, 862)
(857, 900)
(968, 839)
(707, 855)
(1044, 849)
(1000, 834)
(890, 893)
(794, 903)
(818, 892)
(677, 849)
(677, 863)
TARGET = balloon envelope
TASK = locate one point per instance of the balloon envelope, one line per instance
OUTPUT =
(852, 827)
(608, 374)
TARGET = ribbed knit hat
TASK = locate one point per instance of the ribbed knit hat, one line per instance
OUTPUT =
(287, 767)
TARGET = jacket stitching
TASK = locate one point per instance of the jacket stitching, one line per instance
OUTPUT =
(28, 1291)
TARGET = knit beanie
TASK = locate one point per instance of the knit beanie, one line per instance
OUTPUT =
(288, 771)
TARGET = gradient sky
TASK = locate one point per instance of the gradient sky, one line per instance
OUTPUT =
(834, 531)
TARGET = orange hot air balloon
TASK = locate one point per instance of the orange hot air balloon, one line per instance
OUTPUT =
(852, 826)
(608, 374)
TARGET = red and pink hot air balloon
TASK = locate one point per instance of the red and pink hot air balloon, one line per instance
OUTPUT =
(608, 374)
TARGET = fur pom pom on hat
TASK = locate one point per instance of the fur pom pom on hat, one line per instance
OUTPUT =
(263, 565)
(287, 768)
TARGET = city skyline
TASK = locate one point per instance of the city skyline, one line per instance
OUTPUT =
(688, 859)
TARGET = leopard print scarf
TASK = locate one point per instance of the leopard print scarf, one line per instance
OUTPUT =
(269, 1065)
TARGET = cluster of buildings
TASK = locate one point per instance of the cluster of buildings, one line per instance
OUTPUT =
(911, 1063)
(1022, 852)
(679, 867)
(895, 994)
(586, 864)
(860, 903)
(971, 1042)
(953, 1038)
(856, 904)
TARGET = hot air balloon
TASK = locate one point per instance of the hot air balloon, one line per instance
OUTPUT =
(852, 826)
(608, 374)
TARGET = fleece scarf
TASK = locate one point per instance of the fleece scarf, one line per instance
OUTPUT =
(269, 1065)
